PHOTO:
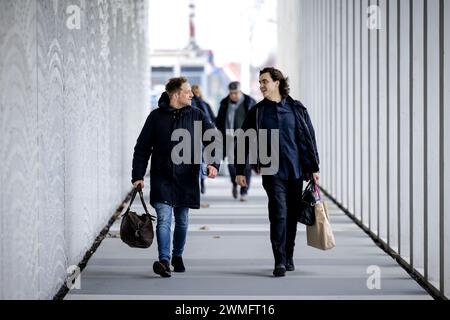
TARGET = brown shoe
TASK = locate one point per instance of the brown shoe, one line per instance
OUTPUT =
(162, 268)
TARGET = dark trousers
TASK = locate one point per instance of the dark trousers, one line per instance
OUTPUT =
(284, 199)
(248, 176)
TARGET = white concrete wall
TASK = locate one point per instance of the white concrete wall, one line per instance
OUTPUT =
(379, 101)
(289, 12)
(72, 103)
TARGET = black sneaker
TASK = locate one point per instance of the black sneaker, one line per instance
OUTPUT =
(235, 192)
(279, 271)
(178, 265)
(202, 186)
(290, 264)
(162, 268)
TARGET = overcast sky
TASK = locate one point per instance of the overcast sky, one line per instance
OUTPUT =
(222, 26)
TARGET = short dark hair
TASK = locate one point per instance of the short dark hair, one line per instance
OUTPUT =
(174, 85)
(277, 75)
(235, 85)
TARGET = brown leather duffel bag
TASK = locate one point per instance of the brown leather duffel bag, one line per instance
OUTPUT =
(137, 230)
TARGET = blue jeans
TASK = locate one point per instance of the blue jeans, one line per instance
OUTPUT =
(163, 230)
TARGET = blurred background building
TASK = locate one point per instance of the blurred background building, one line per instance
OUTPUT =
(212, 44)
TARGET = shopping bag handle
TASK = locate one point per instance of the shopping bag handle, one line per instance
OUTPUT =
(317, 190)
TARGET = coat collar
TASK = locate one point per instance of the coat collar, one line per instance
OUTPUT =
(288, 99)
(164, 105)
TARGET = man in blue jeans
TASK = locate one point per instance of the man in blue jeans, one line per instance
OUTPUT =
(173, 187)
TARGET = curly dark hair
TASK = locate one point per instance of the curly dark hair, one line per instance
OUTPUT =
(174, 85)
(277, 75)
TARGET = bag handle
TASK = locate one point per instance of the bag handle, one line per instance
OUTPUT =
(141, 195)
(309, 185)
(317, 190)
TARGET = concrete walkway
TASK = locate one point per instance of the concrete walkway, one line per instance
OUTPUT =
(228, 256)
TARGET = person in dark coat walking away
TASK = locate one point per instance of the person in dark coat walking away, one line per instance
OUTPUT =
(173, 187)
(298, 161)
(232, 112)
(199, 103)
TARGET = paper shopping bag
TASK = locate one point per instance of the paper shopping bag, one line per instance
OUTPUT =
(320, 235)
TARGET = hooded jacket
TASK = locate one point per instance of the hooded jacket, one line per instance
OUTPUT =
(173, 184)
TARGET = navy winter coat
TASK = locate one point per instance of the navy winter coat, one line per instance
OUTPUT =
(240, 115)
(204, 106)
(305, 136)
(176, 185)
(249, 102)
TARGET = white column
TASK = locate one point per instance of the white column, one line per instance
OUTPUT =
(446, 175)
(365, 114)
(383, 114)
(393, 124)
(358, 109)
(404, 129)
(417, 179)
(373, 128)
(432, 142)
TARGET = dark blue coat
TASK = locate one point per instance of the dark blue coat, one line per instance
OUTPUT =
(249, 102)
(305, 136)
(242, 112)
(176, 185)
(201, 104)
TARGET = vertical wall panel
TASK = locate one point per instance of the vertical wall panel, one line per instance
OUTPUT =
(290, 11)
(441, 149)
(328, 106)
(351, 105)
(333, 102)
(382, 127)
(404, 128)
(358, 110)
(446, 174)
(320, 81)
(417, 179)
(338, 100)
(433, 141)
(373, 127)
(328, 98)
(393, 123)
(365, 114)
(345, 106)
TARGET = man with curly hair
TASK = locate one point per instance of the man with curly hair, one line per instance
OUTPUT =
(297, 160)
